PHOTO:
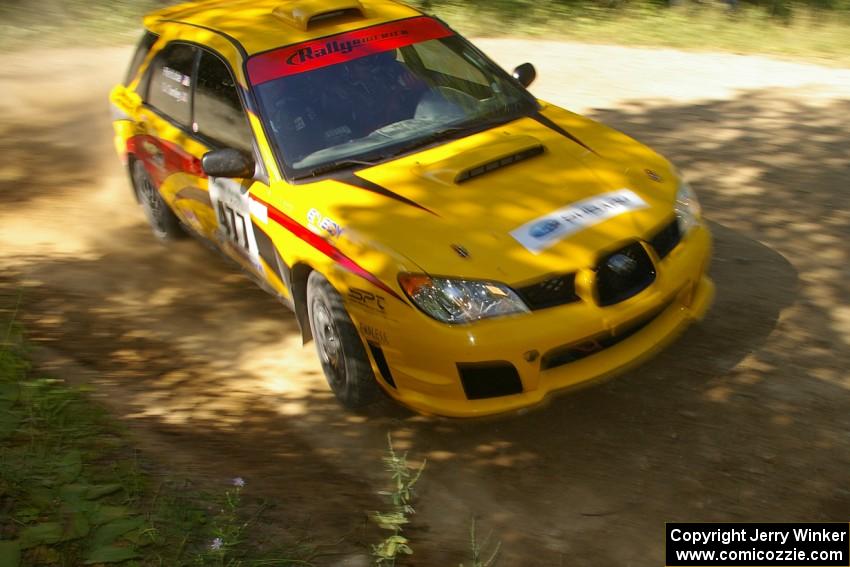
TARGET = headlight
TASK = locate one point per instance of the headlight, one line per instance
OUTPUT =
(688, 211)
(460, 301)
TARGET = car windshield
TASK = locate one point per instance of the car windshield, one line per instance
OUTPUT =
(356, 99)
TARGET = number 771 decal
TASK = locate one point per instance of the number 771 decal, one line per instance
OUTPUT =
(233, 212)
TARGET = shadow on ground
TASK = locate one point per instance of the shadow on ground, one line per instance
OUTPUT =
(48, 160)
(743, 419)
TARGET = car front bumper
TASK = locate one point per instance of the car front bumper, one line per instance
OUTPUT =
(551, 349)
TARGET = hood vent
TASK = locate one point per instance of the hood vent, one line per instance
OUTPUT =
(303, 14)
(495, 164)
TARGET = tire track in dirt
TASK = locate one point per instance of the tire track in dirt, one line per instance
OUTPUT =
(743, 419)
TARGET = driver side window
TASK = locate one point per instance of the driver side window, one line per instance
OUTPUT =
(219, 115)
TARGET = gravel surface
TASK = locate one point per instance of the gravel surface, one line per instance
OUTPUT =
(745, 418)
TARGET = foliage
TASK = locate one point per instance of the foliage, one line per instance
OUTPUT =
(522, 5)
(811, 29)
(400, 497)
(478, 550)
(801, 31)
(60, 508)
(73, 493)
(24, 23)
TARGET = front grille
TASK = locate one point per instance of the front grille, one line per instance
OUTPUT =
(550, 293)
(489, 379)
(623, 274)
(571, 353)
(666, 239)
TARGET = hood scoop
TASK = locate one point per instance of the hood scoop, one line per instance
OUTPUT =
(475, 156)
(305, 14)
(499, 163)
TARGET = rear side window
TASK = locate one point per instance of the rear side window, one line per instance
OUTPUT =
(218, 111)
(142, 51)
(170, 87)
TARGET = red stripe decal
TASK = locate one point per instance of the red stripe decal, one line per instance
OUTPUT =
(325, 248)
(342, 47)
(163, 158)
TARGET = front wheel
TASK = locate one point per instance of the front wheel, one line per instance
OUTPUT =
(341, 352)
(162, 219)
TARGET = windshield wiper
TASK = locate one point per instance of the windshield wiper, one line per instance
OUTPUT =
(335, 166)
(445, 134)
(450, 133)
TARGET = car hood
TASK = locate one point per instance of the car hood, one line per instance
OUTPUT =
(465, 208)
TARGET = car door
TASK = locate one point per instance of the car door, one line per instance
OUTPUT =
(171, 154)
(191, 107)
(220, 121)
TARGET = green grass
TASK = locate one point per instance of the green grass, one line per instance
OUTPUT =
(73, 490)
(818, 37)
(800, 32)
(25, 24)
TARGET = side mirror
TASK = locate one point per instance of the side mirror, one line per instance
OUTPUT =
(228, 162)
(525, 74)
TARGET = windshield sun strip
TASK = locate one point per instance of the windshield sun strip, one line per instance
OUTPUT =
(318, 53)
(523, 105)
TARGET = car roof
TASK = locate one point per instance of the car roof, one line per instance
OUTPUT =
(261, 25)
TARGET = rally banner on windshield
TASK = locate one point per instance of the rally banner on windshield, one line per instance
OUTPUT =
(342, 47)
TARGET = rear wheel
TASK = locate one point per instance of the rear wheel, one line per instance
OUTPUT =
(341, 352)
(162, 219)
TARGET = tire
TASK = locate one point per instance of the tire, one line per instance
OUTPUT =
(162, 219)
(340, 349)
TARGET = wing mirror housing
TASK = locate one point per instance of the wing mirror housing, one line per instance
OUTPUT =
(525, 74)
(228, 162)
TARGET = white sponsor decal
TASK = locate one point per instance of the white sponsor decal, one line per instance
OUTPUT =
(543, 232)
(318, 223)
(259, 210)
(175, 93)
(176, 76)
(233, 210)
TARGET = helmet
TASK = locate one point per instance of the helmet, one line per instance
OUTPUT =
(375, 61)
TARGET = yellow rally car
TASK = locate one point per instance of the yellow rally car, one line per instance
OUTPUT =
(440, 234)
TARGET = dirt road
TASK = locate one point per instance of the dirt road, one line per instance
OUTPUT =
(746, 417)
